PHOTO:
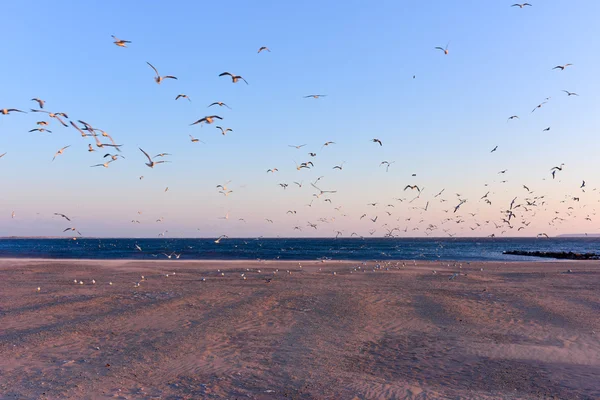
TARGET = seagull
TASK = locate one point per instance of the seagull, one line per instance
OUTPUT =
(539, 106)
(546, 129)
(208, 119)
(340, 167)
(570, 93)
(327, 144)
(74, 230)
(224, 131)
(119, 42)
(114, 157)
(459, 204)
(194, 140)
(315, 96)
(562, 67)
(161, 155)
(63, 215)
(503, 171)
(61, 151)
(6, 111)
(512, 117)
(494, 149)
(234, 78)
(582, 185)
(445, 50)
(105, 165)
(377, 141)
(150, 162)
(138, 247)
(40, 130)
(413, 187)
(219, 103)
(521, 5)
(39, 101)
(159, 78)
(183, 96)
(387, 164)
(264, 48)
(296, 147)
(272, 170)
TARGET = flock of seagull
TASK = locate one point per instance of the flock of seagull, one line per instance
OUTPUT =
(515, 216)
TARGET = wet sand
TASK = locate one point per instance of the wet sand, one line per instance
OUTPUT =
(511, 331)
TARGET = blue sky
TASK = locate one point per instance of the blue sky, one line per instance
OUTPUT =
(440, 125)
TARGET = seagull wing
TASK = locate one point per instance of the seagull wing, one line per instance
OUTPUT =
(146, 154)
(152, 66)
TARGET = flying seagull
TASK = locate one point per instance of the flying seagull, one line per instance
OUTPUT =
(234, 78)
(61, 151)
(570, 93)
(377, 141)
(119, 42)
(224, 131)
(183, 96)
(208, 119)
(562, 67)
(159, 78)
(315, 96)
(150, 162)
(444, 49)
(219, 103)
(264, 48)
(39, 101)
(521, 5)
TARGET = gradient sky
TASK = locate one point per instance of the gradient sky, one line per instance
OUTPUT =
(440, 125)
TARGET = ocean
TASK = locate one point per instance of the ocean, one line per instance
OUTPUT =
(464, 249)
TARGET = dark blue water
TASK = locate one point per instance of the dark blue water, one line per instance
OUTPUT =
(481, 249)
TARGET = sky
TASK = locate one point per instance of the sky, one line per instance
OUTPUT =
(440, 125)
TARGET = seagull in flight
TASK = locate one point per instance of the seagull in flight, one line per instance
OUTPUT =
(327, 144)
(119, 42)
(562, 67)
(494, 149)
(521, 5)
(315, 96)
(183, 96)
(377, 141)
(6, 111)
(63, 215)
(219, 103)
(194, 140)
(151, 163)
(221, 238)
(234, 78)
(61, 151)
(264, 48)
(224, 131)
(296, 147)
(105, 165)
(444, 49)
(39, 101)
(570, 93)
(159, 78)
(208, 120)
(412, 187)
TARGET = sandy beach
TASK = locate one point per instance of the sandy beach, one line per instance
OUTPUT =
(509, 331)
